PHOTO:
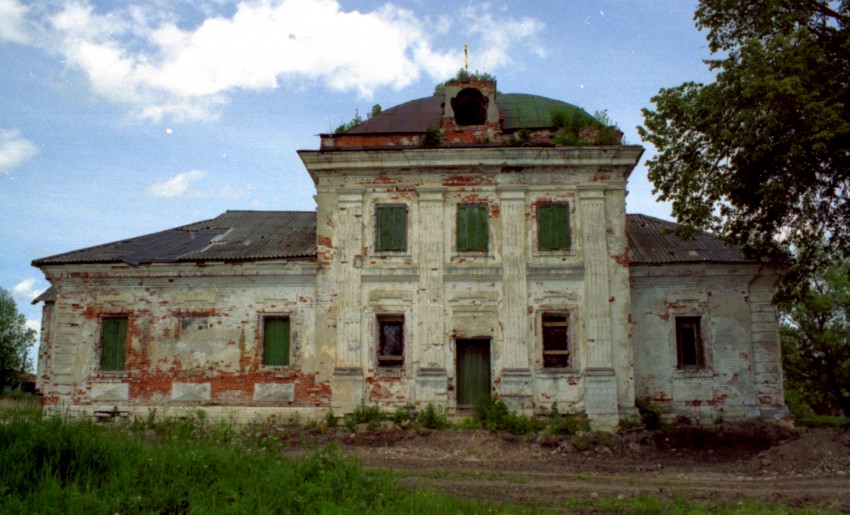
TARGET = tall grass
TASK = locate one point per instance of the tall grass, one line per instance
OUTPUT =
(56, 466)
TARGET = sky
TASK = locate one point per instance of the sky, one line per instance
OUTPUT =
(118, 119)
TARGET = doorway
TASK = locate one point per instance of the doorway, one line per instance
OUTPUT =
(473, 370)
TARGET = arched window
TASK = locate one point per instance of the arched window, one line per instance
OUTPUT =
(470, 107)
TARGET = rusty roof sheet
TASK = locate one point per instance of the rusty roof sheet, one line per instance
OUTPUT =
(652, 242)
(518, 111)
(232, 236)
(410, 117)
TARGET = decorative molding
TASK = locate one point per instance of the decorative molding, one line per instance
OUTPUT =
(116, 298)
(274, 392)
(110, 392)
(190, 392)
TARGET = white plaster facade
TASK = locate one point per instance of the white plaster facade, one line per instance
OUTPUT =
(195, 325)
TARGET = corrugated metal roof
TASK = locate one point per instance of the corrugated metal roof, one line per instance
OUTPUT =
(232, 236)
(518, 111)
(255, 235)
(652, 241)
(48, 295)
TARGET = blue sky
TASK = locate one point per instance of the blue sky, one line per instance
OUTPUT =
(123, 118)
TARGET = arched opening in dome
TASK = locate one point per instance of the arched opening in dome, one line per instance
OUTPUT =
(470, 107)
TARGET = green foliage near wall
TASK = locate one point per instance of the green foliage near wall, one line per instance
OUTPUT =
(16, 339)
(815, 335)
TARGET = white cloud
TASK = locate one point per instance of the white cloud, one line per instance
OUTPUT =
(13, 22)
(26, 290)
(177, 185)
(35, 325)
(158, 64)
(228, 192)
(14, 150)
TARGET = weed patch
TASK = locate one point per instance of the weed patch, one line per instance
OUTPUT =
(432, 418)
(56, 466)
(496, 416)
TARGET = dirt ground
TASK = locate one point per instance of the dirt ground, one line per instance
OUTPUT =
(770, 464)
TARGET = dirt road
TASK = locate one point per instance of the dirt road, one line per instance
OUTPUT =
(809, 468)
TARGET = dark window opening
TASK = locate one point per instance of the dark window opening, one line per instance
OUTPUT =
(113, 343)
(391, 227)
(390, 340)
(275, 341)
(472, 227)
(556, 340)
(470, 107)
(689, 348)
(553, 226)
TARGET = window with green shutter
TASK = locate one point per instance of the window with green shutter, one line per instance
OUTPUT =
(553, 226)
(275, 341)
(113, 343)
(391, 227)
(472, 227)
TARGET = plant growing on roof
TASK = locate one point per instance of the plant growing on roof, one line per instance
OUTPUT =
(354, 122)
(464, 75)
(433, 136)
(571, 122)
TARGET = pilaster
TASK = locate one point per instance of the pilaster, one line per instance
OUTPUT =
(600, 379)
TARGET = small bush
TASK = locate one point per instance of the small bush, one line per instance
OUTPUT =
(433, 136)
(650, 413)
(432, 418)
(354, 122)
(567, 424)
(496, 416)
(330, 420)
(570, 124)
(404, 415)
(371, 415)
(627, 423)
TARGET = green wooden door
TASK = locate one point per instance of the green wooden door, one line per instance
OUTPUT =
(473, 371)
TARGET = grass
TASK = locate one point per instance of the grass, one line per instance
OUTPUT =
(56, 466)
(51, 465)
(815, 421)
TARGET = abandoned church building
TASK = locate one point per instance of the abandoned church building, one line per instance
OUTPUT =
(465, 244)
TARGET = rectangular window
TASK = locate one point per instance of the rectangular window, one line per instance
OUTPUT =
(391, 227)
(113, 343)
(275, 341)
(553, 226)
(556, 340)
(390, 340)
(472, 227)
(689, 349)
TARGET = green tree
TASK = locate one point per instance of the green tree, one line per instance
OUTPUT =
(761, 156)
(815, 333)
(15, 340)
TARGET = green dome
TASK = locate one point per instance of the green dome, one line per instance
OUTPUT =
(518, 111)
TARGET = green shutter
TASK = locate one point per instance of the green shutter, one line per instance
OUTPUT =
(391, 227)
(472, 230)
(114, 342)
(553, 226)
(276, 342)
